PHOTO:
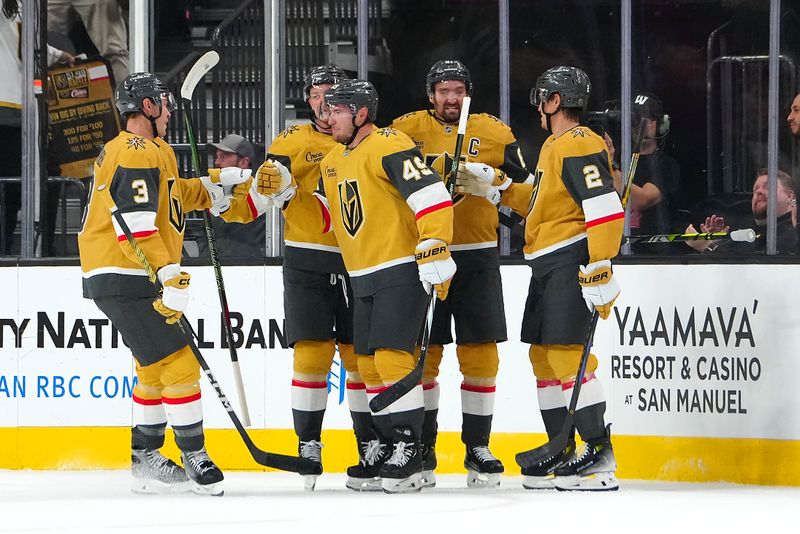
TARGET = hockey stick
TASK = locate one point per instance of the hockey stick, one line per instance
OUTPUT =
(746, 235)
(203, 65)
(462, 129)
(407, 383)
(556, 445)
(268, 459)
(410, 381)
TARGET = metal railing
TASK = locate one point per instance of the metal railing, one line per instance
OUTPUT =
(58, 232)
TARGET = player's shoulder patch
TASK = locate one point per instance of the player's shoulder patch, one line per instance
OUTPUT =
(136, 142)
(578, 141)
(408, 120)
(291, 130)
(388, 131)
(132, 151)
(579, 131)
(489, 126)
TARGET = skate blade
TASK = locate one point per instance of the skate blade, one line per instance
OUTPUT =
(156, 487)
(364, 484)
(477, 480)
(310, 482)
(595, 482)
(217, 489)
(538, 483)
(402, 485)
(428, 479)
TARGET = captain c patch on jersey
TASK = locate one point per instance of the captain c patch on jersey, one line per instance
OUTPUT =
(351, 206)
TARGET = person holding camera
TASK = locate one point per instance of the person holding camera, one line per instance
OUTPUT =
(656, 184)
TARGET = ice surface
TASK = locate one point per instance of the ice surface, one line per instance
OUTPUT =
(89, 502)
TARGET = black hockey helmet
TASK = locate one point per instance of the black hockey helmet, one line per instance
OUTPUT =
(570, 82)
(447, 69)
(356, 94)
(138, 86)
(320, 75)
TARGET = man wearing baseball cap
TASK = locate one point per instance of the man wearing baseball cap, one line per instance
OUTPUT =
(236, 240)
(656, 185)
(233, 150)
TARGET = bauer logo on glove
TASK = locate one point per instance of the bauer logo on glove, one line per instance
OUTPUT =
(434, 251)
(599, 287)
(436, 267)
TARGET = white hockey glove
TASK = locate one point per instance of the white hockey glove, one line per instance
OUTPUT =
(273, 180)
(247, 190)
(468, 184)
(220, 184)
(174, 293)
(484, 173)
(436, 267)
(599, 287)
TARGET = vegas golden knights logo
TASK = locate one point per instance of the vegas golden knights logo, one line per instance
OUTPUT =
(352, 208)
(176, 216)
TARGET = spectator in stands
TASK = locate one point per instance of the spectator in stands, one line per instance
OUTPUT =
(656, 184)
(235, 240)
(787, 239)
(11, 114)
(104, 24)
(794, 117)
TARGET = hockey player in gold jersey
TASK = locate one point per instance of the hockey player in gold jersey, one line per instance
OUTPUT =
(572, 231)
(317, 293)
(137, 174)
(393, 220)
(475, 300)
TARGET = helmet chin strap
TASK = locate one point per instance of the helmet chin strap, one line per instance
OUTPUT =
(356, 128)
(547, 117)
(154, 119)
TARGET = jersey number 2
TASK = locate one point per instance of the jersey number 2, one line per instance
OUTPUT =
(592, 176)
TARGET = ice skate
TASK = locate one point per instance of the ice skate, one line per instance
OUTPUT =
(311, 450)
(593, 470)
(428, 465)
(204, 475)
(365, 475)
(155, 473)
(402, 473)
(483, 468)
(542, 475)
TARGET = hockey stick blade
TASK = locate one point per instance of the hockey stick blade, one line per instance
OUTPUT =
(559, 442)
(206, 62)
(550, 449)
(407, 383)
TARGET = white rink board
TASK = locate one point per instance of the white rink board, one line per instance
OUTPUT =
(742, 314)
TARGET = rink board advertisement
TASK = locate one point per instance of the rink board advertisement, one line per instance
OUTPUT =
(695, 360)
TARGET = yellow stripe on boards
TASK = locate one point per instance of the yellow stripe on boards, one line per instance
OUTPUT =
(745, 461)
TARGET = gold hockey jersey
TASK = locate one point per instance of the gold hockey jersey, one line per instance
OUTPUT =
(384, 200)
(309, 243)
(140, 178)
(571, 200)
(487, 140)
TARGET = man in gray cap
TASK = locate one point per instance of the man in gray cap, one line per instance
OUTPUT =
(233, 151)
(236, 240)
